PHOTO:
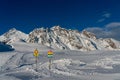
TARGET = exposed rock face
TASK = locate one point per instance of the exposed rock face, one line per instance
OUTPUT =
(88, 34)
(111, 43)
(60, 38)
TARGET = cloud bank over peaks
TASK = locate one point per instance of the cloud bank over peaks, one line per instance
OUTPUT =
(110, 30)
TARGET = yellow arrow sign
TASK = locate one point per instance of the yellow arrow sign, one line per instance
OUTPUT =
(36, 53)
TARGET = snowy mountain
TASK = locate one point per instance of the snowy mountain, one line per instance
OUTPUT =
(60, 38)
(13, 35)
(74, 64)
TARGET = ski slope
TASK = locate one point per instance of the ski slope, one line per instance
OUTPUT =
(66, 64)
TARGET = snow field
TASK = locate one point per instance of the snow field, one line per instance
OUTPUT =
(66, 64)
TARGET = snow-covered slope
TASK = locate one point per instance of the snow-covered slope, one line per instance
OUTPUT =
(13, 35)
(60, 38)
(66, 64)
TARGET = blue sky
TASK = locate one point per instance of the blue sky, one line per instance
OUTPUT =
(25, 15)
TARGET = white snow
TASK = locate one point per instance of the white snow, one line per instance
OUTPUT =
(108, 62)
(66, 64)
(61, 38)
(2, 38)
(13, 35)
(4, 57)
(100, 62)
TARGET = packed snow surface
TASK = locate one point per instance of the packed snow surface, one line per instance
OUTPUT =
(66, 64)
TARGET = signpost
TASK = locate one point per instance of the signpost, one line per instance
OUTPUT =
(50, 56)
(36, 55)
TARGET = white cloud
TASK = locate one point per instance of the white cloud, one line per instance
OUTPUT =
(110, 30)
(113, 25)
(101, 20)
(104, 17)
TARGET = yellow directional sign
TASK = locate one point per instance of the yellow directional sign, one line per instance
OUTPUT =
(36, 53)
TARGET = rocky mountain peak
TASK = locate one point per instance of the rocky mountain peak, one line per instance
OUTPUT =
(61, 38)
(13, 35)
(10, 32)
(56, 28)
(89, 34)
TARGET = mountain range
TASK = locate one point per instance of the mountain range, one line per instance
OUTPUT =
(61, 38)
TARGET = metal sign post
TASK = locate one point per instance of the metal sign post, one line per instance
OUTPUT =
(36, 54)
(50, 56)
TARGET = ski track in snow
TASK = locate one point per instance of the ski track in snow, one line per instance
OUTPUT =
(66, 64)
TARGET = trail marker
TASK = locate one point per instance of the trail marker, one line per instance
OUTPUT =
(36, 54)
(50, 56)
